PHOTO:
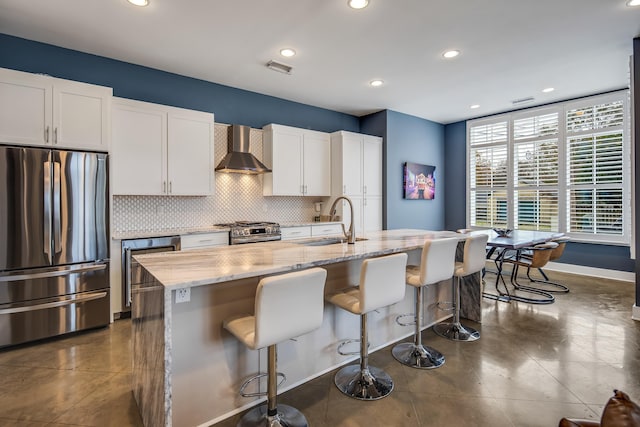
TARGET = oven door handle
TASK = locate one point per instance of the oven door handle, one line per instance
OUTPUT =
(73, 299)
(127, 276)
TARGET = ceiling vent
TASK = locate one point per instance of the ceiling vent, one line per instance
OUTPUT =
(277, 66)
(522, 100)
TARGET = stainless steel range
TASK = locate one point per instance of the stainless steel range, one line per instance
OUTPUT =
(252, 232)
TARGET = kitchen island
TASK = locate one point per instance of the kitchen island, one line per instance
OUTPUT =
(187, 370)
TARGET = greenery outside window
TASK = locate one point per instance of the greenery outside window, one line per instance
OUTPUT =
(562, 168)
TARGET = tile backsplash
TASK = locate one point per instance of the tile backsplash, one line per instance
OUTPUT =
(237, 197)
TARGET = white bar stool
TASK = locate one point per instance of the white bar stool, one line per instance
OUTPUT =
(286, 306)
(472, 262)
(436, 264)
(381, 284)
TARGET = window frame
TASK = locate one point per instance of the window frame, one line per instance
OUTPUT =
(563, 188)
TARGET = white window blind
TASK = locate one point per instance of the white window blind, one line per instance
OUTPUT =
(488, 179)
(596, 172)
(535, 181)
(563, 168)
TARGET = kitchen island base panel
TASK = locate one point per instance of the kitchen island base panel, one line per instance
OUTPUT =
(203, 366)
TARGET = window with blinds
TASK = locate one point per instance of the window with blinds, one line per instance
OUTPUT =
(488, 179)
(535, 181)
(595, 169)
(559, 168)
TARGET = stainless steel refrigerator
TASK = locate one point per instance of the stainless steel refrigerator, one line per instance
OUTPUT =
(54, 251)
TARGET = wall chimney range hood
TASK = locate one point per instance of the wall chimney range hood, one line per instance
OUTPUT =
(238, 158)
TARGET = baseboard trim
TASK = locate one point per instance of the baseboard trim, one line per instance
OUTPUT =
(635, 313)
(626, 276)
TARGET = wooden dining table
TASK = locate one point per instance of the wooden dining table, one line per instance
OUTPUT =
(500, 246)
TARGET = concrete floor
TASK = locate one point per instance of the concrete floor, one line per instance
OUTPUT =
(532, 366)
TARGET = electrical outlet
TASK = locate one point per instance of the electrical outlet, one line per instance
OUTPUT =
(183, 295)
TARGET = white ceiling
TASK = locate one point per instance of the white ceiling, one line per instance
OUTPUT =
(511, 49)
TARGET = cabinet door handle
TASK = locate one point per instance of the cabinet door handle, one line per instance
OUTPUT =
(302, 189)
(364, 189)
(55, 136)
(164, 186)
(170, 187)
(46, 134)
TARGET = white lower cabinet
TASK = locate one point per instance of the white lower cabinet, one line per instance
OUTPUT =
(203, 240)
(367, 212)
(289, 233)
(326, 230)
(159, 150)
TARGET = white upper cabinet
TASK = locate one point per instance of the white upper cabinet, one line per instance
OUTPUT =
(356, 161)
(46, 111)
(190, 152)
(160, 150)
(300, 160)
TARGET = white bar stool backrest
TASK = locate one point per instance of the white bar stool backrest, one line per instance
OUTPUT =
(474, 255)
(382, 281)
(438, 260)
(288, 305)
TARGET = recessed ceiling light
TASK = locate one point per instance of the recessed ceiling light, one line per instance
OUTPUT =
(139, 2)
(376, 83)
(451, 54)
(287, 52)
(474, 106)
(358, 4)
(633, 3)
(548, 89)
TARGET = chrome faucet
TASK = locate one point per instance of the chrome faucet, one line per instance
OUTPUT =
(350, 235)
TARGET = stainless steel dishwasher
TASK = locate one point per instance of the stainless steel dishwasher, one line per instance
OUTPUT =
(133, 247)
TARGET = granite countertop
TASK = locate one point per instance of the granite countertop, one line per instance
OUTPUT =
(221, 264)
(141, 234)
(306, 224)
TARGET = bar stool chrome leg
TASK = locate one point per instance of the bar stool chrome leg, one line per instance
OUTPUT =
(362, 381)
(455, 330)
(273, 415)
(415, 354)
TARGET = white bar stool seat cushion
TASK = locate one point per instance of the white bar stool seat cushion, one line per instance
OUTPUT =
(381, 285)
(436, 263)
(286, 306)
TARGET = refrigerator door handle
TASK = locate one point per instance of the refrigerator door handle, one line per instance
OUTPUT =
(67, 300)
(60, 271)
(47, 210)
(56, 208)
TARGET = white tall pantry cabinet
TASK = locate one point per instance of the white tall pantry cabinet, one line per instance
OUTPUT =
(356, 164)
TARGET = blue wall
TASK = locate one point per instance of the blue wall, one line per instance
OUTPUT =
(455, 160)
(589, 255)
(412, 139)
(230, 105)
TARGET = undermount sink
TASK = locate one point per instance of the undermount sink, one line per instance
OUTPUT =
(326, 241)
